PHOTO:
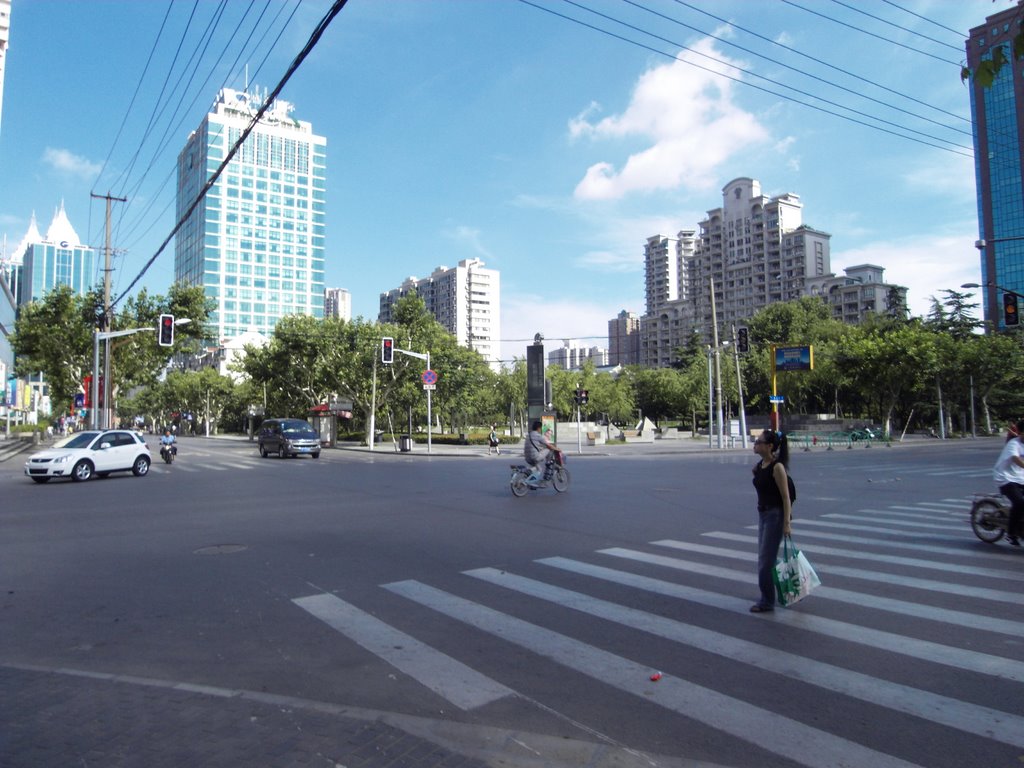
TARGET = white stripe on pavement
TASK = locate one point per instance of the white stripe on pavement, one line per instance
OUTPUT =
(768, 730)
(462, 686)
(875, 602)
(952, 713)
(851, 554)
(926, 650)
(898, 523)
(930, 585)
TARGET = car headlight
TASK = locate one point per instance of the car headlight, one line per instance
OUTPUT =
(62, 459)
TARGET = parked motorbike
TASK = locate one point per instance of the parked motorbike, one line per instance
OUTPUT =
(167, 453)
(555, 473)
(990, 517)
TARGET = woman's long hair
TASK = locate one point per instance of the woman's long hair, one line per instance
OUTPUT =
(779, 444)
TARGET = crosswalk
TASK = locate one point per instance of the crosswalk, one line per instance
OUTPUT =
(906, 587)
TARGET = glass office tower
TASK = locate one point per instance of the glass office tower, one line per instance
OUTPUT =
(996, 113)
(256, 240)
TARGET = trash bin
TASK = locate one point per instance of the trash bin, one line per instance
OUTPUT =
(405, 443)
(462, 439)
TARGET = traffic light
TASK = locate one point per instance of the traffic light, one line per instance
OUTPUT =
(742, 341)
(165, 331)
(387, 350)
(1010, 316)
(584, 396)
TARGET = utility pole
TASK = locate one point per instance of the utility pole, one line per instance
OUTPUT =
(104, 423)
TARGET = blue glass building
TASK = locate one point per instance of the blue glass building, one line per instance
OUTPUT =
(997, 113)
(256, 240)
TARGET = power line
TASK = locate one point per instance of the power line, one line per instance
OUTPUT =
(306, 50)
(870, 34)
(955, 149)
(897, 26)
(793, 69)
(925, 18)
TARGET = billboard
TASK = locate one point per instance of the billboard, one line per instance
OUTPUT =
(794, 358)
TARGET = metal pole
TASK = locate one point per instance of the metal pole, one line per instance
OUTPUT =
(94, 420)
(718, 364)
(974, 428)
(711, 403)
(739, 386)
(430, 415)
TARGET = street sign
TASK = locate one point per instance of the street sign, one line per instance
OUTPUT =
(776, 399)
(429, 377)
(430, 386)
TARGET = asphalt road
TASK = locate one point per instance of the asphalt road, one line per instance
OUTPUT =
(418, 586)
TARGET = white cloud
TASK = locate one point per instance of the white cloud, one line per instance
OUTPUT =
(926, 266)
(65, 161)
(688, 120)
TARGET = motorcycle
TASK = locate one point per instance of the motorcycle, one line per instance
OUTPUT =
(990, 517)
(167, 453)
(554, 472)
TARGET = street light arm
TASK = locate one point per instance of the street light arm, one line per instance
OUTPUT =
(993, 285)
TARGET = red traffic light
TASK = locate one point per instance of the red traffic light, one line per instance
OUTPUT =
(165, 331)
(387, 350)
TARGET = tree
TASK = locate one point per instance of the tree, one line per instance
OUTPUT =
(54, 337)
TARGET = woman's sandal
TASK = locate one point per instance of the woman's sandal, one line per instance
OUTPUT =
(758, 608)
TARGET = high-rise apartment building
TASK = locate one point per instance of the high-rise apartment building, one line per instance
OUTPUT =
(861, 291)
(5, 35)
(466, 300)
(754, 249)
(256, 240)
(998, 144)
(338, 304)
(624, 339)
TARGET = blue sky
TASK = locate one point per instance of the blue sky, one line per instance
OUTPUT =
(497, 129)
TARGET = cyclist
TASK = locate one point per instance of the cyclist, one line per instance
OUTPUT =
(535, 450)
(1009, 476)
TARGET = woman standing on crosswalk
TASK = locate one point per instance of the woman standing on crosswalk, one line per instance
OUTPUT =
(773, 509)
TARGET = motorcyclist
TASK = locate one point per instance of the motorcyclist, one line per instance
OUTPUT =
(536, 449)
(1009, 476)
(169, 442)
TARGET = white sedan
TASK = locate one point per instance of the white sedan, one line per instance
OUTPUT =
(94, 452)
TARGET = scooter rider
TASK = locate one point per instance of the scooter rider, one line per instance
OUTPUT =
(1009, 476)
(169, 442)
(536, 449)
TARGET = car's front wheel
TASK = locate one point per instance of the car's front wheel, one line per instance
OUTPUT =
(141, 466)
(316, 455)
(82, 471)
(263, 452)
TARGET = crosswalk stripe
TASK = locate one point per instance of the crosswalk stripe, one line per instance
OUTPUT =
(853, 554)
(950, 712)
(970, 554)
(925, 650)
(462, 686)
(769, 730)
(868, 528)
(929, 585)
(963, 511)
(928, 514)
(875, 602)
(898, 522)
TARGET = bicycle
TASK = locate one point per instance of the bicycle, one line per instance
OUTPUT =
(554, 472)
(990, 517)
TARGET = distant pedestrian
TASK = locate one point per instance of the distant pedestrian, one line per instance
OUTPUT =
(493, 443)
(773, 508)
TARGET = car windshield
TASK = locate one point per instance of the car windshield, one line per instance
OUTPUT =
(299, 431)
(79, 440)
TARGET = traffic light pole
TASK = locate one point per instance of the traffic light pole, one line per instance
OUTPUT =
(739, 386)
(430, 416)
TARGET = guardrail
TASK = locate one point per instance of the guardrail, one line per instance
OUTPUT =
(830, 441)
